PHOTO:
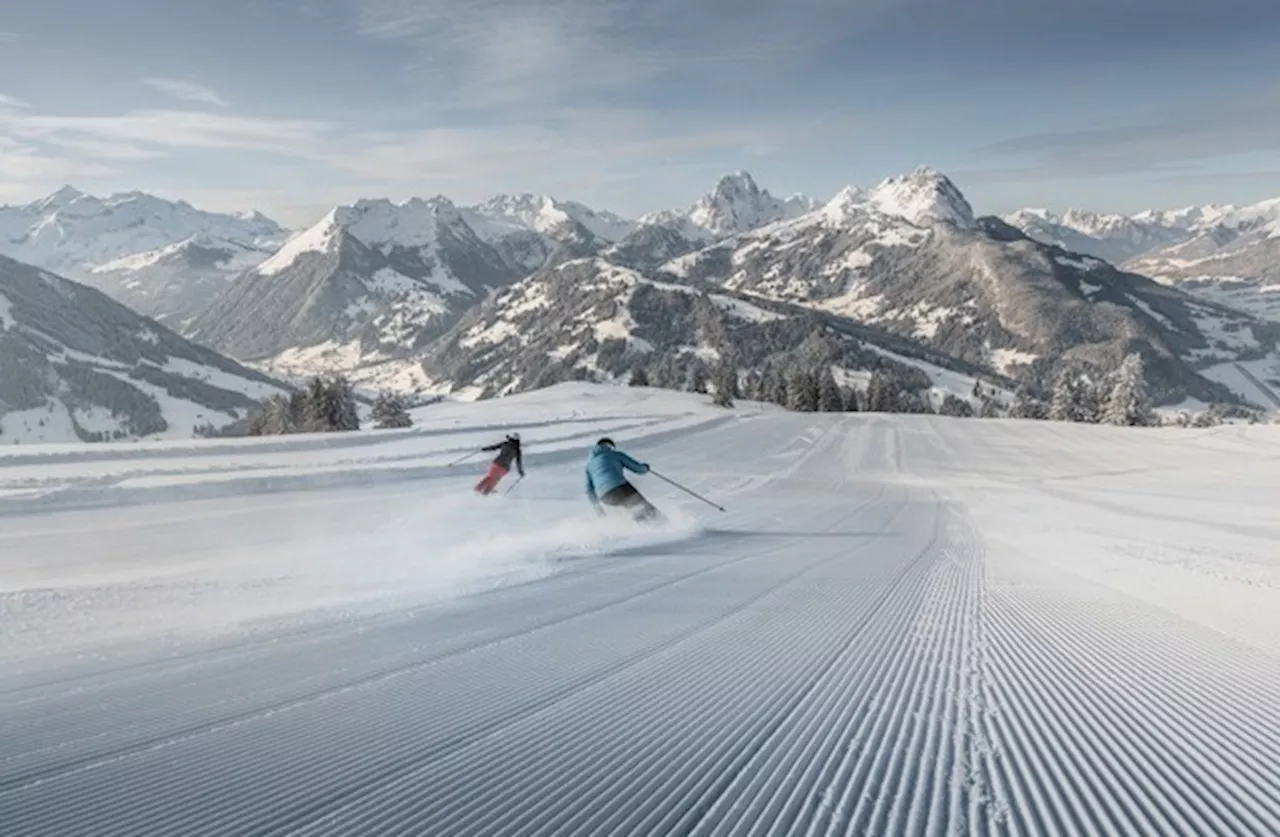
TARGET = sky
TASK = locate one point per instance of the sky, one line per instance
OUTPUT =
(292, 106)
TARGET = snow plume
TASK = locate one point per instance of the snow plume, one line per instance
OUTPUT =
(328, 563)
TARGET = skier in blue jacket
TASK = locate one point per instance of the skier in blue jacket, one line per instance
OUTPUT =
(607, 485)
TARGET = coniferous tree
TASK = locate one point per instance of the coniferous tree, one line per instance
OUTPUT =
(639, 376)
(389, 411)
(1090, 398)
(778, 389)
(1065, 404)
(340, 405)
(830, 399)
(802, 391)
(696, 377)
(1027, 406)
(953, 405)
(852, 401)
(726, 382)
(883, 392)
(1126, 402)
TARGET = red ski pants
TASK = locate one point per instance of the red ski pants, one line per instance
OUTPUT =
(491, 479)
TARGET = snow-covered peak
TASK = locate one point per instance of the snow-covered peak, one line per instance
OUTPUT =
(502, 215)
(736, 205)
(72, 233)
(377, 223)
(322, 237)
(923, 197)
(849, 203)
(57, 200)
(412, 223)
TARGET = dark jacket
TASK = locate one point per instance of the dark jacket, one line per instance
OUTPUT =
(508, 450)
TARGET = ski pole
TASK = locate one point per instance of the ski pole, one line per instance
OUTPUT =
(513, 485)
(685, 490)
(462, 459)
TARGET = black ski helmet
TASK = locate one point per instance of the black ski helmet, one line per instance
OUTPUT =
(605, 441)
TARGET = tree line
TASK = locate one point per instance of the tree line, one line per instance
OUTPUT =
(327, 404)
(1118, 398)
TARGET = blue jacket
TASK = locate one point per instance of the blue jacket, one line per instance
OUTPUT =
(604, 470)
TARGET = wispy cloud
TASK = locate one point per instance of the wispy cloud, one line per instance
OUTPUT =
(134, 132)
(1167, 143)
(11, 102)
(25, 163)
(187, 91)
(11, 37)
(490, 53)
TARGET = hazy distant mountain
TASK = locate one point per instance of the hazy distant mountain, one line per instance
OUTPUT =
(1223, 253)
(163, 258)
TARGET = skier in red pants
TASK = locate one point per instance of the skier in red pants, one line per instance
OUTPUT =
(508, 451)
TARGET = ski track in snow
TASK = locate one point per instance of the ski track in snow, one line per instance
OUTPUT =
(863, 645)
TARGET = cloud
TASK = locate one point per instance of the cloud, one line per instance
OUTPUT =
(1170, 143)
(135, 134)
(25, 163)
(517, 53)
(11, 37)
(11, 102)
(186, 90)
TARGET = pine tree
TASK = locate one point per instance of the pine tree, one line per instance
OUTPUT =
(851, 401)
(1065, 405)
(830, 399)
(1126, 402)
(340, 405)
(802, 391)
(778, 389)
(726, 382)
(953, 405)
(639, 376)
(883, 392)
(1090, 396)
(389, 411)
(315, 408)
(1027, 406)
(696, 377)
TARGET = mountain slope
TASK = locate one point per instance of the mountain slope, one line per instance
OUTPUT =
(75, 364)
(920, 266)
(591, 319)
(368, 284)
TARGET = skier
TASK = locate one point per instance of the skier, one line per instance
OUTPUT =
(607, 485)
(508, 449)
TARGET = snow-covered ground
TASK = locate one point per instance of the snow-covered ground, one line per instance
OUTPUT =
(902, 625)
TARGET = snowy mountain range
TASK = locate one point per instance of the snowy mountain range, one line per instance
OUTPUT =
(1224, 253)
(905, 258)
(508, 294)
(162, 258)
(74, 364)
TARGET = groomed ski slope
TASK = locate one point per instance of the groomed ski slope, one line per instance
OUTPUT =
(903, 625)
